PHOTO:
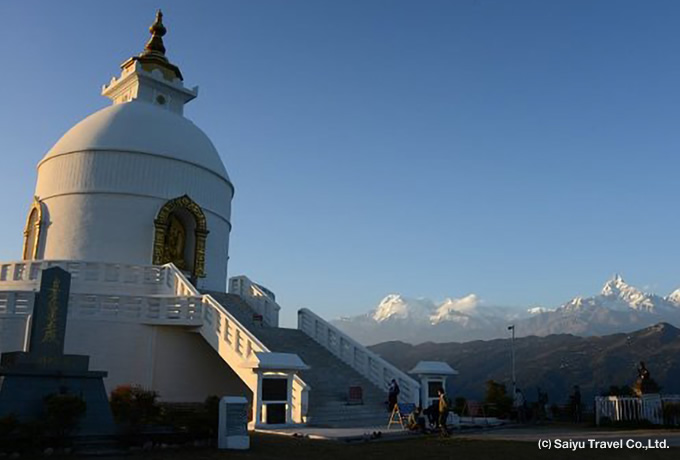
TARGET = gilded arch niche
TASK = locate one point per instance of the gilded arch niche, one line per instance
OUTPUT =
(174, 240)
(33, 230)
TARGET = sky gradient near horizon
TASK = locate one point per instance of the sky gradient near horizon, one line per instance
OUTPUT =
(523, 151)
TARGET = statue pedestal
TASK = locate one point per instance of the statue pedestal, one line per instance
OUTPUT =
(25, 382)
(27, 377)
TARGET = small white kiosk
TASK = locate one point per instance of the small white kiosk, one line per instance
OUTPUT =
(274, 399)
(432, 376)
(232, 432)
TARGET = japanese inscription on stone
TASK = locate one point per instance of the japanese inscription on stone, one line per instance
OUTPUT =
(49, 313)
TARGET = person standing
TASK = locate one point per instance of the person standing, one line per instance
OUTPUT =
(444, 407)
(392, 395)
(518, 403)
(432, 414)
(576, 403)
(543, 408)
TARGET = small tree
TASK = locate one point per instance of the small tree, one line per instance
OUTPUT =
(497, 398)
(9, 426)
(199, 421)
(459, 405)
(132, 405)
(63, 414)
(671, 413)
(212, 409)
(623, 390)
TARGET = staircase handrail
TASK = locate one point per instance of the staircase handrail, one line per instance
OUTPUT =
(385, 372)
(156, 294)
(180, 283)
(182, 286)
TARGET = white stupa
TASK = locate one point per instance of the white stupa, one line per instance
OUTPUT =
(119, 185)
(135, 203)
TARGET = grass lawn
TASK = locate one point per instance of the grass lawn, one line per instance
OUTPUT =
(269, 447)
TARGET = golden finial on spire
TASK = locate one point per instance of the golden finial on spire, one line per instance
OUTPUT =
(155, 43)
(153, 55)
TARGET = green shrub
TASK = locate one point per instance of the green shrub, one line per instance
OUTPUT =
(63, 413)
(32, 435)
(671, 413)
(497, 400)
(199, 421)
(459, 405)
(133, 406)
(623, 390)
(9, 428)
(8, 425)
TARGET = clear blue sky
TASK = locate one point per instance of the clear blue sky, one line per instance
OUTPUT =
(520, 150)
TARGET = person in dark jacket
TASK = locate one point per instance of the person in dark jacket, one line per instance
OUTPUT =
(432, 414)
(392, 395)
(576, 404)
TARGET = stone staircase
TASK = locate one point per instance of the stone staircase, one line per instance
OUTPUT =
(328, 376)
(237, 307)
(330, 379)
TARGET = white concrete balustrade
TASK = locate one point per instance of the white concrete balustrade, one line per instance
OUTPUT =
(16, 303)
(185, 311)
(158, 295)
(257, 298)
(628, 409)
(364, 361)
(89, 277)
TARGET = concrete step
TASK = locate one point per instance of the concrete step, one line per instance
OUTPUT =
(329, 377)
(354, 422)
(351, 408)
(238, 307)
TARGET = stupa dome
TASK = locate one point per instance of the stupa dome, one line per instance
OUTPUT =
(141, 127)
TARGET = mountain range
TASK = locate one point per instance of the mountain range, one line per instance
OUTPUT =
(619, 307)
(554, 363)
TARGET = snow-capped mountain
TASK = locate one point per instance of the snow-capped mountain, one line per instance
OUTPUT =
(396, 307)
(618, 308)
(419, 320)
(617, 295)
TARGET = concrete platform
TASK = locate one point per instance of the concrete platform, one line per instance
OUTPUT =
(340, 434)
(354, 434)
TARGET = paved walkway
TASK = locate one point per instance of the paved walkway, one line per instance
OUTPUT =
(483, 432)
(367, 433)
(340, 434)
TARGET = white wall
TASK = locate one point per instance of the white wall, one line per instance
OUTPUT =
(188, 368)
(177, 363)
(101, 207)
(172, 360)
(12, 332)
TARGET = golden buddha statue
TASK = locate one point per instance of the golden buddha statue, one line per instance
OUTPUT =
(175, 243)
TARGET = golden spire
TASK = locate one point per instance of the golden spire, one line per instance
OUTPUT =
(155, 43)
(154, 50)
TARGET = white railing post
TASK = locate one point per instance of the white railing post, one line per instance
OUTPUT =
(364, 361)
(153, 295)
(626, 409)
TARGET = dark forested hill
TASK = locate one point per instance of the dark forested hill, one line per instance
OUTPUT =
(554, 363)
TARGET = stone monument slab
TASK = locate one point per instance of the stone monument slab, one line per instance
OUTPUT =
(48, 329)
(27, 377)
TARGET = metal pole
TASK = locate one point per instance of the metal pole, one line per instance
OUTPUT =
(512, 348)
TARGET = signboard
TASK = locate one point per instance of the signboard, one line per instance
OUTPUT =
(233, 423)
